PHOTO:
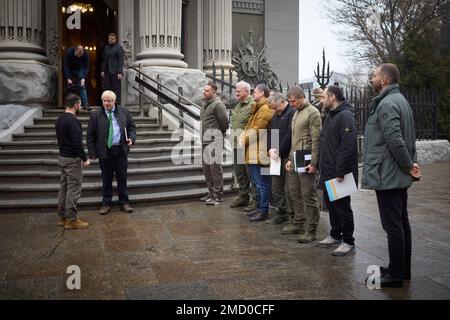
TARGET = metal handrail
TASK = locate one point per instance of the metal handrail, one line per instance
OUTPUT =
(160, 105)
(166, 97)
(167, 88)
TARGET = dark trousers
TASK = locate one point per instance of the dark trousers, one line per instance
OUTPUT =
(113, 84)
(392, 205)
(280, 191)
(77, 76)
(341, 219)
(116, 163)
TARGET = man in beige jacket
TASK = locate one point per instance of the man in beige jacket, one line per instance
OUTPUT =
(306, 126)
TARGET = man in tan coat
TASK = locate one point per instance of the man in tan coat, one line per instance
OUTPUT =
(254, 139)
(306, 126)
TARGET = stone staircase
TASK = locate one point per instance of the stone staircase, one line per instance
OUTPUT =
(29, 172)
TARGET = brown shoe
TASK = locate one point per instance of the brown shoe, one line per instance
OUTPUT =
(127, 208)
(76, 224)
(104, 210)
(62, 222)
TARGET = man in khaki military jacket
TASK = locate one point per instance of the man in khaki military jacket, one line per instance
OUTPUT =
(306, 126)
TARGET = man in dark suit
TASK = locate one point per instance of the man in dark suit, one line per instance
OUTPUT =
(112, 66)
(111, 133)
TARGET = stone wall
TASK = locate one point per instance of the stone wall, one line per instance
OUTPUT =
(433, 151)
(24, 82)
(9, 115)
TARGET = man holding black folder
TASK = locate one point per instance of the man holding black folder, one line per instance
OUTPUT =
(306, 126)
(111, 133)
(338, 157)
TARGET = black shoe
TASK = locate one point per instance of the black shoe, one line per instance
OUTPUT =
(384, 270)
(252, 213)
(259, 216)
(87, 108)
(387, 281)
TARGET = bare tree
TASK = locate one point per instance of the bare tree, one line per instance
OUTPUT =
(378, 28)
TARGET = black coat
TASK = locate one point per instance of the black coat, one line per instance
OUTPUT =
(113, 57)
(338, 145)
(282, 123)
(97, 132)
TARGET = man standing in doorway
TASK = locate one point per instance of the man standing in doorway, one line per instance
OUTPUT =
(112, 66)
(72, 159)
(76, 69)
(110, 135)
(214, 121)
(390, 168)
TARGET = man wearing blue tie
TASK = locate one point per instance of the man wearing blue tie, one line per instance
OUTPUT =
(111, 133)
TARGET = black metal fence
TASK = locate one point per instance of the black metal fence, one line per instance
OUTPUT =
(424, 105)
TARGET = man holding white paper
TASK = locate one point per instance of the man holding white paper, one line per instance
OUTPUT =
(279, 145)
(338, 158)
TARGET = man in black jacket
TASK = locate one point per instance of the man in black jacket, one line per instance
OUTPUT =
(76, 69)
(112, 66)
(111, 132)
(338, 157)
(71, 160)
(280, 131)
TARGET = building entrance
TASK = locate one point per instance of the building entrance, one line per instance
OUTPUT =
(88, 23)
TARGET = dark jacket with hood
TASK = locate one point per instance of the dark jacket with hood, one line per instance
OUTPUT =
(338, 145)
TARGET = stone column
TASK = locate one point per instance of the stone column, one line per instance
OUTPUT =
(217, 34)
(25, 73)
(160, 33)
(21, 30)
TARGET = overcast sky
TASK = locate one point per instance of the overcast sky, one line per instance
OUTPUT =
(315, 34)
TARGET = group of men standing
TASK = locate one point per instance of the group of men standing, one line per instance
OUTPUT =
(271, 127)
(76, 69)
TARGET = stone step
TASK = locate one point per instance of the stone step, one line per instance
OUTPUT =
(144, 135)
(85, 120)
(51, 164)
(137, 153)
(21, 192)
(53, 144)
(94, 175)
(50, 128)
(94, 203)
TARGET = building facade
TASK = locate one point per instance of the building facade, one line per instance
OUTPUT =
(176, 39)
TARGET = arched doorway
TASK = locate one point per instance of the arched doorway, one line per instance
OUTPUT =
(99, 18)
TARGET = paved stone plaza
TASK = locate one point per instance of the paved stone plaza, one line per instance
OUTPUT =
(190, 251)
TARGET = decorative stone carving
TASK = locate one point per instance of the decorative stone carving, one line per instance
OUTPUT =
(251, 64)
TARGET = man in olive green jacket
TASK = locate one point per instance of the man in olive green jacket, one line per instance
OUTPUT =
(306, 126)
(390, 167)
(214, 126)
(239, 120)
